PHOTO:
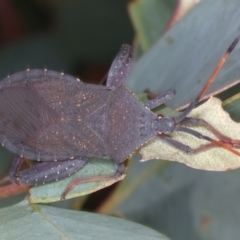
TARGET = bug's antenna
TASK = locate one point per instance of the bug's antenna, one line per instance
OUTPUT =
(209, 81)
(225, 146)
(212, 77)
(218, 67)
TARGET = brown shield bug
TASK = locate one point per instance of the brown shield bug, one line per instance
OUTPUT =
(60, 121)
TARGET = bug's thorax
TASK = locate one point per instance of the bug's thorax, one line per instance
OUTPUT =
(129, 124)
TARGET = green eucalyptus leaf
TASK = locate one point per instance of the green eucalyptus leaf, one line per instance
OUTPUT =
(53, 191)
(150, 18)
(232, 106)
(185, 56)
(32, 221)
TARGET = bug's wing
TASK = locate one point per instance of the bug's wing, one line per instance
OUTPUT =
(23, 114)
(51, 115)
(121, 67)
(67, 96)
(82, 108)
(70, 139)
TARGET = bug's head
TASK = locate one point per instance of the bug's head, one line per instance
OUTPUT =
(163, 124)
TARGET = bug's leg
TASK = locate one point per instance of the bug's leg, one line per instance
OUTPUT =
(46, 172)
(120, 169)
(151, 95)
(16, 164)
(162, 98)
(104, 79)
(214, 142)
(120, 68)
(220, 136)
(185, 148)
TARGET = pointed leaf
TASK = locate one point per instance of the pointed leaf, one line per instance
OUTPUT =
(185, 56)
(215, 159)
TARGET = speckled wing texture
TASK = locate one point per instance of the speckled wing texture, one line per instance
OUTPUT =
(121, 67)
(74, 134)
(45, 115)
(22, 115)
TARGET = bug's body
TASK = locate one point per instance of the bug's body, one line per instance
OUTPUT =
(61, 121)
(48, 116)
